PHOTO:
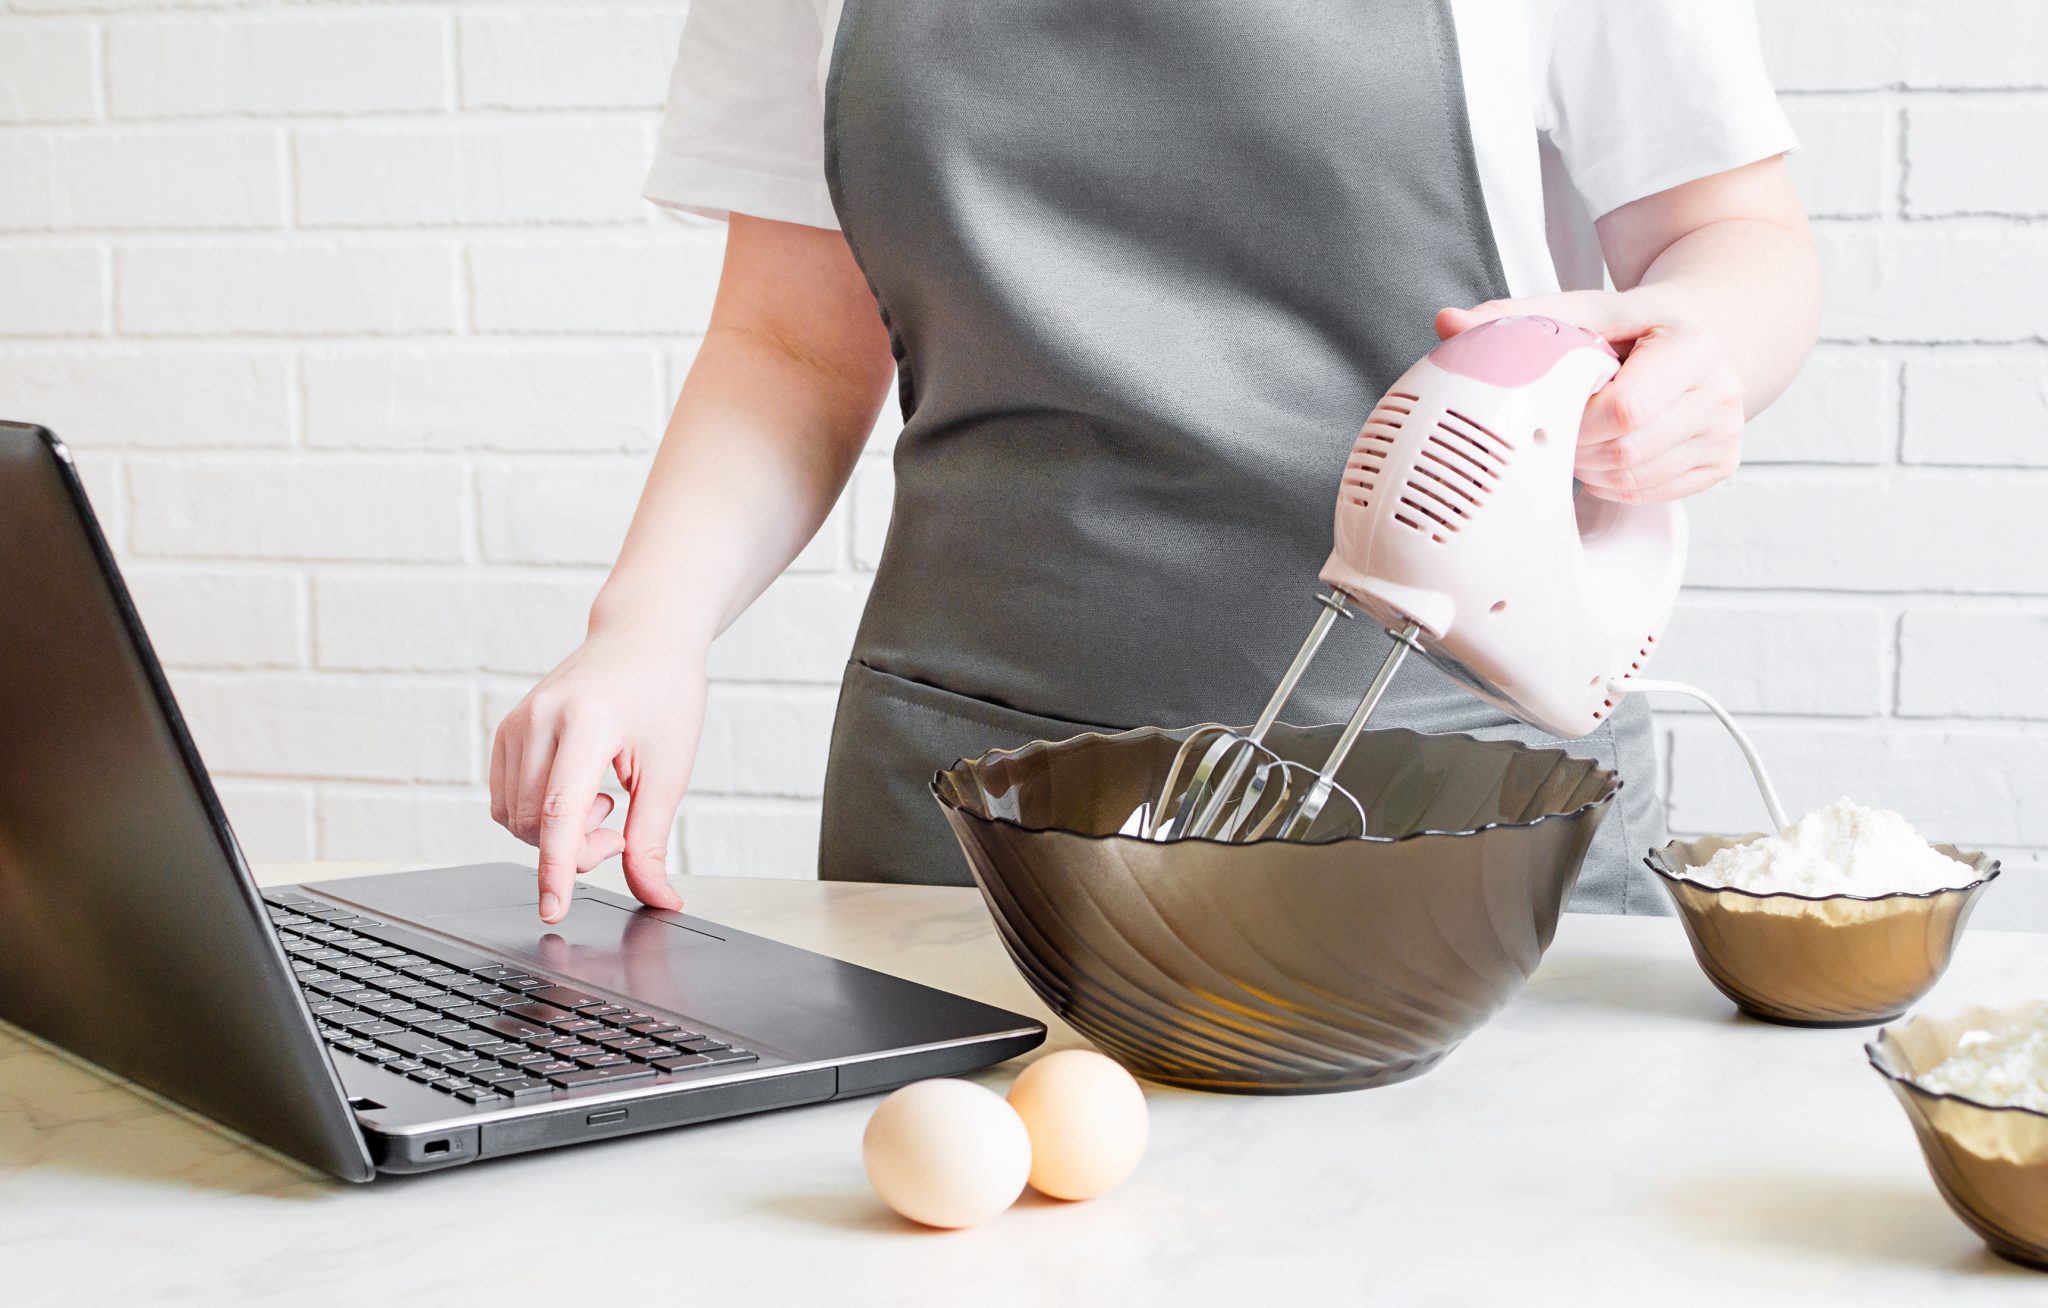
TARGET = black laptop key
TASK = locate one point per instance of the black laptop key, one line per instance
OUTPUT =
(352, 1019)
(444, 1002)
(723, 1056)
(526, 1087)
(470, 1066)
(425, 946)
(472, 1011)
(376, 1055)
(424, 1072)
(604, 1059)
(681, 1062)
(481, 1097)
(537, 1012)
(385, 1006)
(578, 1051)
(677, 1037)
(652, 1028)
(379, 1028)
(404, 1065)
(552, 1040)
(526, 1057)
(411, 1042)
(701, 1045)
(567, 997)
(550, 1068)
(511, 1027)
(580, 1026)
(612, 1038)
(323, 1007)
(425, 969)
(522, 984)
(470, 1039)
(443, 1057)
(497, 1075)
(440, 1025)
(583, 1076)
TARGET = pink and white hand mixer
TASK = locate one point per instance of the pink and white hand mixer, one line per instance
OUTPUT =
(1458, 530)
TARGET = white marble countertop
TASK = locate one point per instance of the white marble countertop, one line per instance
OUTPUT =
(1617, 1135)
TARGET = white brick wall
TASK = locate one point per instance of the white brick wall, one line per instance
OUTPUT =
(364, 340)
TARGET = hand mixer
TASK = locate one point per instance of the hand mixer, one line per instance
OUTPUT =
(1458, 530)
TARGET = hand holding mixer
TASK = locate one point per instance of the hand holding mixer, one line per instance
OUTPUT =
(1458, 530)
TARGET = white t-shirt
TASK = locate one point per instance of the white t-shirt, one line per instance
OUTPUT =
(1577, 105)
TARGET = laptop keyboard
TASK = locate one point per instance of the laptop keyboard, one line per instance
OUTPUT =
(482, 1031)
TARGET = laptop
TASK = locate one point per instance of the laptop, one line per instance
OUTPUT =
(387, 1024)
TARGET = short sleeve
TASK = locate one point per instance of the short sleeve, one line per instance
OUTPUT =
(1639, 96)
(745, 126)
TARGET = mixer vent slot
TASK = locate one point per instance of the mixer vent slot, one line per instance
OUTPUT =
(1451, 477)
(1369, 455)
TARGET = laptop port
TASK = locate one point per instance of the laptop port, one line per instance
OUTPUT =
(438, 1147)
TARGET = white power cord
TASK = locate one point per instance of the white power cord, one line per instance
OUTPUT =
(1779, 821)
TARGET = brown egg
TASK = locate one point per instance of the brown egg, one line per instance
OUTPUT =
(946, 1153)
(1087, 1121)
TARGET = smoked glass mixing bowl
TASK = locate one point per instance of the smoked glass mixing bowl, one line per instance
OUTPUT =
(1826, 960)
(1278, 967)
(1990, 1163)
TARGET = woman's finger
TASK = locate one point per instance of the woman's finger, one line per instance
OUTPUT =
(568, 793)
(1664, 364)
(651, 815)
(599, 845)
(600, 842)
(1689, 416)
(501, 806)
(1684, 486)
(1608, 314)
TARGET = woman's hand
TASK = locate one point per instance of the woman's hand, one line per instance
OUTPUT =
(628, 701)
(771, 419)
(1670, 423)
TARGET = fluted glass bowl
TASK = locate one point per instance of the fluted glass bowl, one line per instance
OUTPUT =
(1990, 1163)
(1278, 967)
(1827, 960)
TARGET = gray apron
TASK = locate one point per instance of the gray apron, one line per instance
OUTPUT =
(1145, 268)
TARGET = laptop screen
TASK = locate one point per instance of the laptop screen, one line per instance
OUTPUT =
(130, 933)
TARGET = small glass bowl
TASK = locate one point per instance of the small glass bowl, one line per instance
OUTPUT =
(1990, 1163)
(1828, 960)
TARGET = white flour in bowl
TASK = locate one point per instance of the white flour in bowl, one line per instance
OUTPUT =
(1843, 849)
(2005, 1068)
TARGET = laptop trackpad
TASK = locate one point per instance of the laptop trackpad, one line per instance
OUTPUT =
(601, 943)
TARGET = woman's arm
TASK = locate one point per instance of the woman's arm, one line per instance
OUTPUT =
(777, 406)
(1717, 306)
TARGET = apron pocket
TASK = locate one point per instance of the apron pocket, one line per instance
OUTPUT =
(889, 737)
